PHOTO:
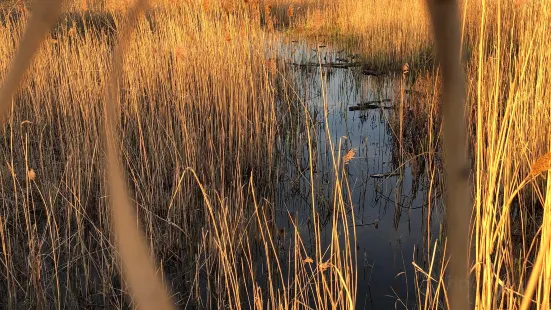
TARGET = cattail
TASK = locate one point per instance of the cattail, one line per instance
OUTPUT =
(179, 52)
(72, 32)
(268, 16)
(21, 6)
(205, 5)
(542, 164)
(325, 266)
(227, 7)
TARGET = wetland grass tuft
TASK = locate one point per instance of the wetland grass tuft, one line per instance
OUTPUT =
(506, 57)
(191, 121)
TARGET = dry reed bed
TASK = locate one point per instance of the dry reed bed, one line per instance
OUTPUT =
(385, 40)
(511, 102)
(506, 50)
(197, 98)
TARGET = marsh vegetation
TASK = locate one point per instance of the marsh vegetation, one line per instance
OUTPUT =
(277, 154)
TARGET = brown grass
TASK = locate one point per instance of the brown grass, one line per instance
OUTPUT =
(193, 119)
(197, 119)
(505, 49)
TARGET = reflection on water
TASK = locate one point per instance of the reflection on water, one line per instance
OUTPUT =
(389, 190)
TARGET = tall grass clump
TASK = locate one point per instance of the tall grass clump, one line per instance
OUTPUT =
(511, 119)
(386, 34)
(195, 112)
(506, 57)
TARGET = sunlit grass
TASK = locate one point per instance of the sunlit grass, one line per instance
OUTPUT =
(505, 49)
(196, 115)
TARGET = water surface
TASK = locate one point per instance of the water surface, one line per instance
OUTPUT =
(389, 189)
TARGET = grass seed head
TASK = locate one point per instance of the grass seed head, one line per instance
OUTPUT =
(31, 174)
(349, 156)
(541, 165)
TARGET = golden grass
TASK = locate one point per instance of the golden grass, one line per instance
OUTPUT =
(511, 106)
(197, 120)
(193, 119)
(385, 40)
(505, 50)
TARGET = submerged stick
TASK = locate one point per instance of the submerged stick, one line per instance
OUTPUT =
(383, 175)
(444, 15)
(371, 105)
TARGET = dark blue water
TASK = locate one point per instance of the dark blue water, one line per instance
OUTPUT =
(389, 189)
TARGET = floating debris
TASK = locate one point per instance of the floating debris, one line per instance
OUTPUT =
(338, 65)
(368, 107)
(384, 175)
(371, 105)
(371, 72)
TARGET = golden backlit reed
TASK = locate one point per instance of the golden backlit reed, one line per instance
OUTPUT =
(183, 102)
(504, 46)
(196, 118)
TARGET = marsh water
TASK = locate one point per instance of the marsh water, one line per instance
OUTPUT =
(389, 190)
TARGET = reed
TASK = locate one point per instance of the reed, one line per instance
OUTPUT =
(506, 64)
(193, 120)
(197, 119)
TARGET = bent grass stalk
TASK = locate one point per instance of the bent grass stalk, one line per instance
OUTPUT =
(458, 202)
(139, 269)
(507, 73)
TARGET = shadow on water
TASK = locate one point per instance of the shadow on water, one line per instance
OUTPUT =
(390, 188)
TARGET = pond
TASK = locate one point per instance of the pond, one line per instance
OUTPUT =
(394, 219)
